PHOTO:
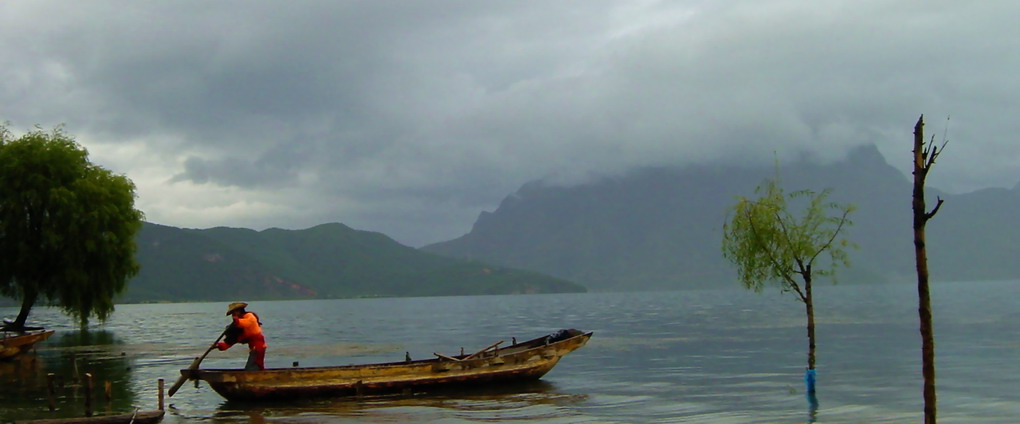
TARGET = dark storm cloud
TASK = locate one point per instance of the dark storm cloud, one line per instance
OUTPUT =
(412, 117)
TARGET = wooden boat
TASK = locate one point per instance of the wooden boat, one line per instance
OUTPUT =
(12, 345)
(528, 360)
(137, 417)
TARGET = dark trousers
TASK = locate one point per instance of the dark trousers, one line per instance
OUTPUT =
(256, 360)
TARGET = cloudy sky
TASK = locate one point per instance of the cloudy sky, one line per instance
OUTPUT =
(411, 117)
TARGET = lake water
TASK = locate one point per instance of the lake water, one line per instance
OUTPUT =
(707, 356)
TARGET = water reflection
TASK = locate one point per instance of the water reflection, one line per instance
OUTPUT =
(68, 356)
(522, 401)
(812, 407)
(697, 357)
(20, 368)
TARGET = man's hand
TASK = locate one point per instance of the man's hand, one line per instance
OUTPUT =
(222, 346)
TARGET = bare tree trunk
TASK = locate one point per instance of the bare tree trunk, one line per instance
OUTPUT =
(923, 160)
(810, 307)
(26, 306)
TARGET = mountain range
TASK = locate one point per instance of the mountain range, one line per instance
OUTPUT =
(661, 228)
(326, 261)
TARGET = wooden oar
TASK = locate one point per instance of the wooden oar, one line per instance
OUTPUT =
(483, 350)
(194, 365)
(448, 358)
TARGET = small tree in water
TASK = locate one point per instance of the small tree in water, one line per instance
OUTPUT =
(67, 226)
(770, 245)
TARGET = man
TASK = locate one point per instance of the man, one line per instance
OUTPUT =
(246, 328)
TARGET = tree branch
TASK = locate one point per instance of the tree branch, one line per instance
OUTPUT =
(800, 264)
(796, 288)
(931, 152)
(768, 253)
(758, 238)
(842, 221)
(938, 205)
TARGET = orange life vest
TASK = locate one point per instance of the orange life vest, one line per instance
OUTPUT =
(251, 331)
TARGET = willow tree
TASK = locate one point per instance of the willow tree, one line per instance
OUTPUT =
(770, 245)
(67, 226)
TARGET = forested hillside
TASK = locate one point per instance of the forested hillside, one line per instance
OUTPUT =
(327, 261)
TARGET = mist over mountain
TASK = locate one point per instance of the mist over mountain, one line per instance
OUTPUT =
(661, 228)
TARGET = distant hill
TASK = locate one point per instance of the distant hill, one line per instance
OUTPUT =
(327, 261)
(661, 228)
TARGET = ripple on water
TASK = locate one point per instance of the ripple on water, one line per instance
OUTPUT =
(690, 357)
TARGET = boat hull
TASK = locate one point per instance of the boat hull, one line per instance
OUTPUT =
(140, 417)
(521, 362)
(14, 345)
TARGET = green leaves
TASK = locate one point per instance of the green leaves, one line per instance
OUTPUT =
(769, 244)
(66, 226)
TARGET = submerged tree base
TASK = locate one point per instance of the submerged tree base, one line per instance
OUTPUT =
(809, 381)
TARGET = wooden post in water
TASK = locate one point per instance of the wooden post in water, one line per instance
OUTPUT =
(74, 367)
(107, 396)
(160, 394)
(50, 395)
(88, 394)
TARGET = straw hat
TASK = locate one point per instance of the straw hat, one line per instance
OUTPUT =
(235, 306)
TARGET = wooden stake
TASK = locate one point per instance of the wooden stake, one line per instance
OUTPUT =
(161, 394)
(88, 394)
(50, 395)
(74, 367)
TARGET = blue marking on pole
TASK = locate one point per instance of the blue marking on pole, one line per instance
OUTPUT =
(809, 380)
